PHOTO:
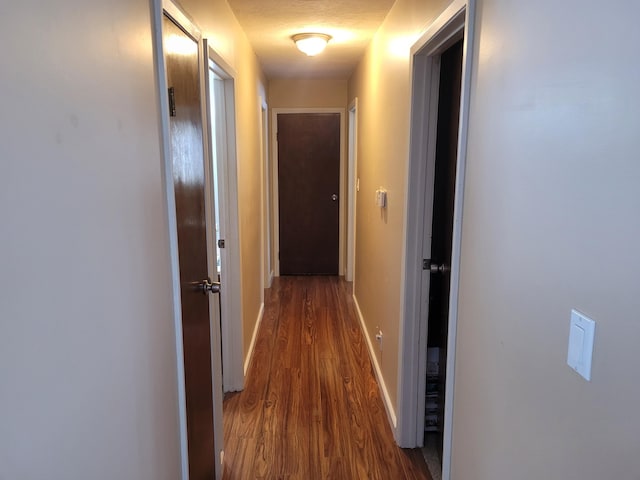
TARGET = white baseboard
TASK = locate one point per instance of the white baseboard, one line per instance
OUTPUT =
(252, 345)
(386, 400)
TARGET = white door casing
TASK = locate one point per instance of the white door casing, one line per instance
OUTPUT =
(223, 139)
(265, 174)
(351, 191)
(454, 22)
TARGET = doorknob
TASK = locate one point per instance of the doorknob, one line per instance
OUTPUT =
(334, 197)
(439, 268)
(207, 286)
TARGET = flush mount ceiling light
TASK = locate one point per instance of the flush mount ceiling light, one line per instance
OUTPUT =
(311, 44)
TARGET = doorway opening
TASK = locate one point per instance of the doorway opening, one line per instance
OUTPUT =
(449, 65)
(441, 69)
(222, 178)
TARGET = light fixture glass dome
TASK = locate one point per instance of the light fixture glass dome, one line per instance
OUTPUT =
(311, 44)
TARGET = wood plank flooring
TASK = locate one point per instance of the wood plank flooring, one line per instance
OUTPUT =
(311, 407)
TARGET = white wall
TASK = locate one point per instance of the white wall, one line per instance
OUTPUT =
(87, 357)
(551, 220)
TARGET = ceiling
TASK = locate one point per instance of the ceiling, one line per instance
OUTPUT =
(269, 24)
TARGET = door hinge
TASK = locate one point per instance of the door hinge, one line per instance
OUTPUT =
(221, 243)
(172, 102)
(426, 263)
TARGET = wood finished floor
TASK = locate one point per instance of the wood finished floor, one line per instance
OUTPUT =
(311, 407)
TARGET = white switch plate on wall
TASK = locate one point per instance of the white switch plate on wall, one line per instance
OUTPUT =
(581, 333)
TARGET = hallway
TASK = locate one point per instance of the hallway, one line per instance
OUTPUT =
(311, 407)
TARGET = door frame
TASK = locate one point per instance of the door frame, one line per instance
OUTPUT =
(352, 171)
(265, 180)
(274, 171)
(456, 20)
(230, 292)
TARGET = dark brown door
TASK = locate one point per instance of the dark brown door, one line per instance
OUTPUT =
(187, 153)
(308, 184)
(442, 226)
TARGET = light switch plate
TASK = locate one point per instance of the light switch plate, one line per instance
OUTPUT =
(580, 352)
(381, 198)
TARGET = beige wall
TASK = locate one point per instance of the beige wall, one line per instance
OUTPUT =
(307, 93)
(381, 84)
(87, 341)
(219, 25)
(550, 223)
(88, 383)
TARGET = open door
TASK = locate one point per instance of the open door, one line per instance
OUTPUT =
(194, 207)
